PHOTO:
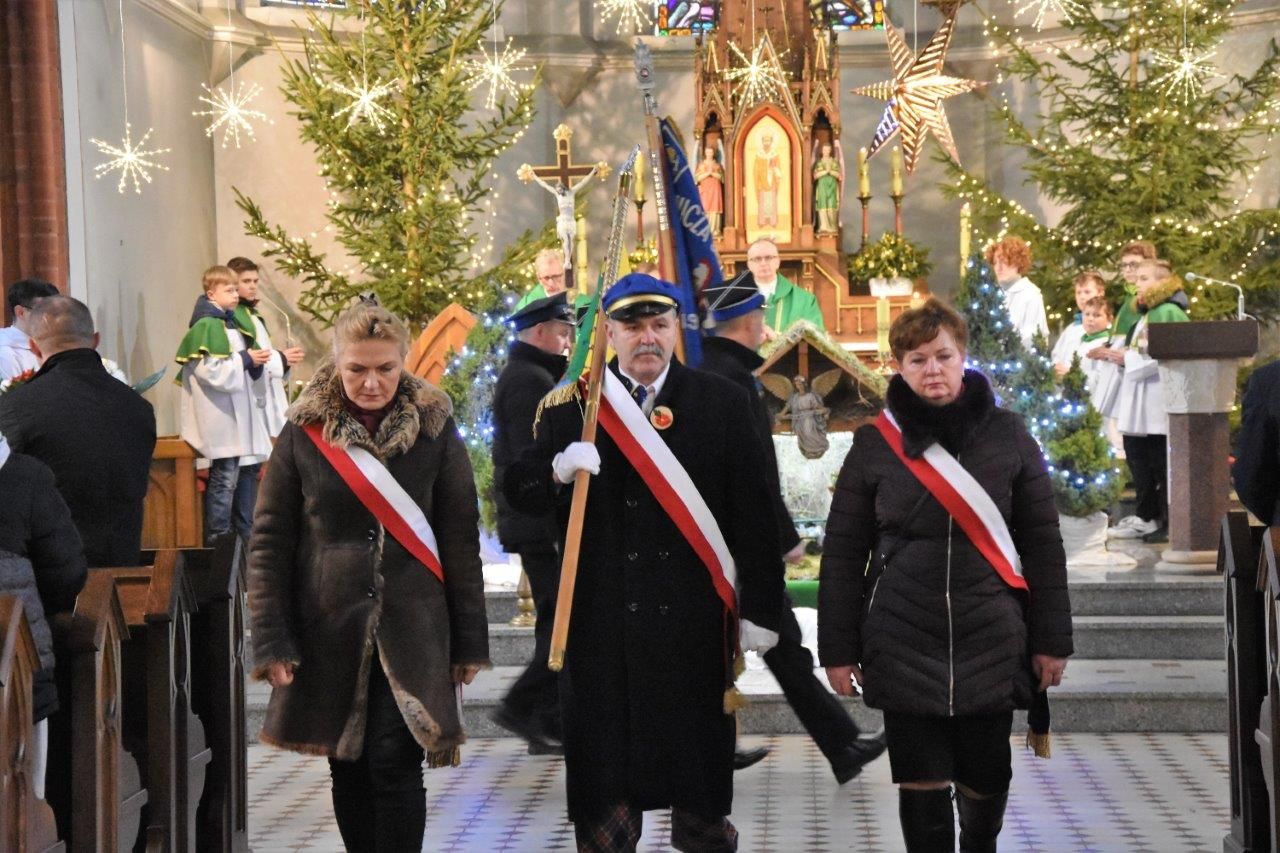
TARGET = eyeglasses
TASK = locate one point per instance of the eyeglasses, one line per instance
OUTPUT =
(751, 260)
(559, 276)
(1130, 265)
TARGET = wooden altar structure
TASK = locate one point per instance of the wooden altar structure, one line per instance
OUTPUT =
(799, 118)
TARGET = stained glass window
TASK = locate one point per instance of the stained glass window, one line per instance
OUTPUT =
(851, 14)
(685, 17)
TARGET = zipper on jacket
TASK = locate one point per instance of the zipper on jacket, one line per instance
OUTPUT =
(875, 587)
(951, 644)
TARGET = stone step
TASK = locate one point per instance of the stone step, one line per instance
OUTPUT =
(1098, 637)
(1117, 595)
(1097, 696)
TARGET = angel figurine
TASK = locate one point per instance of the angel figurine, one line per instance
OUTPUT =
(805, 408)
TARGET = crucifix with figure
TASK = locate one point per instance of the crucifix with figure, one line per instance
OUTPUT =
(559, 181)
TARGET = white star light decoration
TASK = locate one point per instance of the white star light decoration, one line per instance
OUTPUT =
(1185, 70)
(759, 76)
(495, 69)
(364, 104)
(634, 13)
(1064, 10)
(229, 109)
(132, 160)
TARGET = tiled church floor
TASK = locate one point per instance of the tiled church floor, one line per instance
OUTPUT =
(1104, 792)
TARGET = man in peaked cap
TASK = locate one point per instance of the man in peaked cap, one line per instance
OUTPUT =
(535, 362)
(737, 307)
(652, 643)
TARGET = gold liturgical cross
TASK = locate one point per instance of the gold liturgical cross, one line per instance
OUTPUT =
(564, 170)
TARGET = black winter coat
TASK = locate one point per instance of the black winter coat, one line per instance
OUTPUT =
(41, 560)
(328, 588)
(98, 435)
(1256, 472)
(920, 653)
(738, 363)
(646, 665)
(530, 373)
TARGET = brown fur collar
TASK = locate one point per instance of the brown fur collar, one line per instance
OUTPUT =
(1163, 292)
(418, 407)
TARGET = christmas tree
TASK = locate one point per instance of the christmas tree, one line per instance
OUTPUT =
(383, 96)
(1139, 136)
(1082, 461)
(994, 345)
(1034, 393)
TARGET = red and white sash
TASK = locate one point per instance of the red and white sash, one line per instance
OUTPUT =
(669, 483)
(384, 497)
(964, 498)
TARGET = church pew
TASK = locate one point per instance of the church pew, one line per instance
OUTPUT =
(158, 603)
(99, 797)
(217, 690)
(26, 823)
(1267, 733)
(1238, 551)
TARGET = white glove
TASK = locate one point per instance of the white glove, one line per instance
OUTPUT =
(579, 456)
(754, 638)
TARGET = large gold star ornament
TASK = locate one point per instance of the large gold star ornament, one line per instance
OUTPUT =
(915, 94)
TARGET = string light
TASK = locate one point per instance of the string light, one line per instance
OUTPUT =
(364, 104)
(1064, 10)
(495, 70)
(1184, 73)
(230, 111)
(760, 75)
(134, 161)
(633, 15)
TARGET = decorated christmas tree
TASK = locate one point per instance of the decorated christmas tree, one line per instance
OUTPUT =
(994, 345)
(1138, 135)
(383, 96)
(1082, 461)
(1034, 393)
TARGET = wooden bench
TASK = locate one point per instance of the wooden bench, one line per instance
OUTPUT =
(26, 823)
(158, 603)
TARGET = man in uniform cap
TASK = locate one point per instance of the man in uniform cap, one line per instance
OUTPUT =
(535, 362)
(651, 642)
(737, 307)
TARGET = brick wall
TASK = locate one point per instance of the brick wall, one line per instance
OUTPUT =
(33, 181)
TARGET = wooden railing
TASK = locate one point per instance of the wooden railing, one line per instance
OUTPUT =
(26, 822)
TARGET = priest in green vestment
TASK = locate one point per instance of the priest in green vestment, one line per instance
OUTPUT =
(787, 303)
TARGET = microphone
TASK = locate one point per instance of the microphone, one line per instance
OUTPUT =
(1240, 315)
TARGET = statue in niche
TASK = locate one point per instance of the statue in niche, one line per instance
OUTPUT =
(808, 415)
(767, 171)
(828, 188)
(709, 176)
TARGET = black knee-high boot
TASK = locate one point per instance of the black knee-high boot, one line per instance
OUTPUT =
(928, 824)
(980, 821)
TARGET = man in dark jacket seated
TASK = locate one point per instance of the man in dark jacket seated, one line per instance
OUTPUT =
(647, 722)
(535, 362)
(738, 310)
(92, 430)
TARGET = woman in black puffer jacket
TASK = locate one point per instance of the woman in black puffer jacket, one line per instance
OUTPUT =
(42, 564)
(911, 610)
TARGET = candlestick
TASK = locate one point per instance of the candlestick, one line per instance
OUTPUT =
(966, 214)
(864, 175)
(882, 326)
(637, 189)
(896, 171)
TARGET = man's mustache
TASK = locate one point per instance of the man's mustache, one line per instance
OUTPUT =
(649, 349)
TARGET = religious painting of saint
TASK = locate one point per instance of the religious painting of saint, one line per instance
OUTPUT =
(684, 17)
(767, 163)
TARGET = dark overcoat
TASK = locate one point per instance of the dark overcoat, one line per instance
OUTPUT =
(328, 587)
(738, 363)
(1256, 472)
(646, 665)
(529, 374)
(97, 435)
(936, 631)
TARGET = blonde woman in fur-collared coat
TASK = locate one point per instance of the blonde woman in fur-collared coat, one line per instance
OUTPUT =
(363, 645)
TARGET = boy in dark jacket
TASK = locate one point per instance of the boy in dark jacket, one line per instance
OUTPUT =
(42, 564)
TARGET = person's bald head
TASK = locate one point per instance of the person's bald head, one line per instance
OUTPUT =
(60, 323)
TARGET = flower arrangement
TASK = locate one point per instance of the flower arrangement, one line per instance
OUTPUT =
(892, 256)
(14, 381)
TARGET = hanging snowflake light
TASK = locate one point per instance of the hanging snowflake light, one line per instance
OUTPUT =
(1185, 72)
(133, 160)
(364, 104)
(495, 69)
(759, 76)
(1063, 10)
(633, 15)
(229, 109)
